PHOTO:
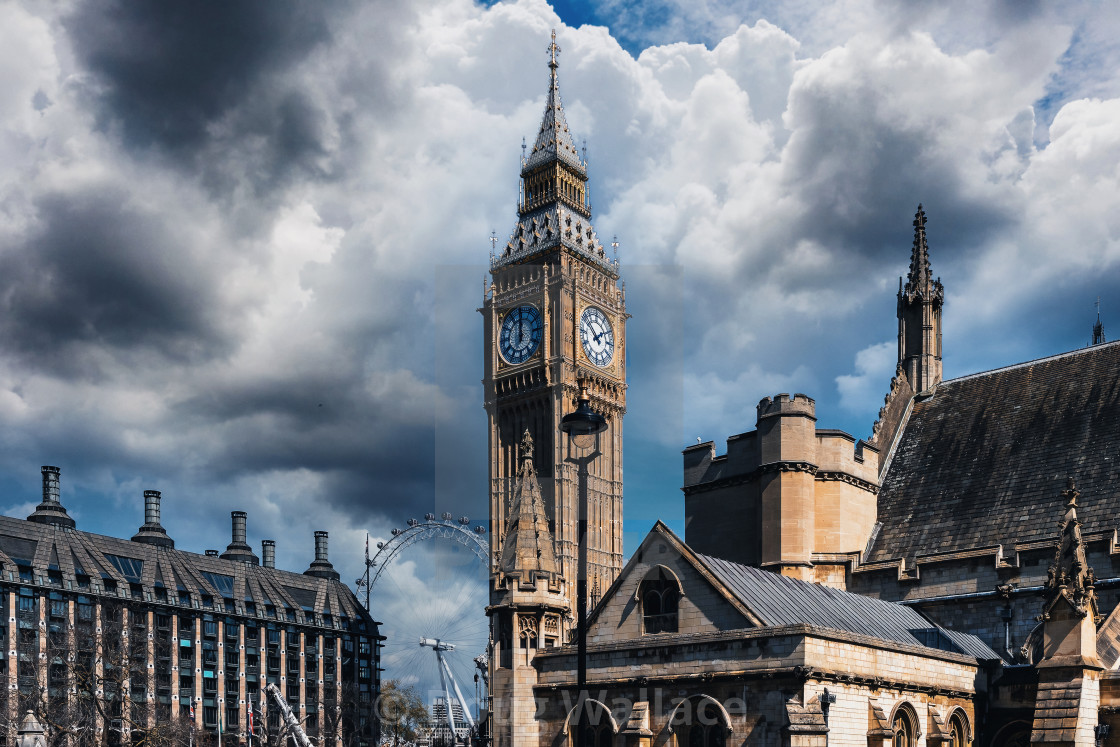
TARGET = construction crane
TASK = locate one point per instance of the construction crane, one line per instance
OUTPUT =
(444, 677)
(289, 717)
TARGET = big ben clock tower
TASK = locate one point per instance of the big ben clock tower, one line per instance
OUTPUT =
(555, 319)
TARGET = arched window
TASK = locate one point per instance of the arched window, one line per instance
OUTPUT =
(707, 728)
(660, 595)
(1015, 734)
(958, 731)
(594, 727)
(903, 728)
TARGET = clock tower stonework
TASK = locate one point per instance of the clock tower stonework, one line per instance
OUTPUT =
(555, 319)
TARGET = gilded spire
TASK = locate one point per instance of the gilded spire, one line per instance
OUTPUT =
(554, 140)
(554, 210)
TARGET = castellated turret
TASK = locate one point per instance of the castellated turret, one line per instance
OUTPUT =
(787, 496)
(787, 436)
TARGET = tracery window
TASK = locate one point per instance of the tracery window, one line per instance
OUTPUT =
(705, 727)
(905, 735)
(660, 596)
(594, 727)
(958, 731)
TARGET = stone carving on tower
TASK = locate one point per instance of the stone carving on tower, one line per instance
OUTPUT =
(555, 316)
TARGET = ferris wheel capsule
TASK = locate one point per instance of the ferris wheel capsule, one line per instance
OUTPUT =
(429, 517)
(380, 545)
(480, 529)
(447, 516)
(395, 532)
(464, 520)
(412, 522)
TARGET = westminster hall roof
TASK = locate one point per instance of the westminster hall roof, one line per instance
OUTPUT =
(983, 461)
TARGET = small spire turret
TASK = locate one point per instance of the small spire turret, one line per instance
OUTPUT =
(528, 546)
(1098, 328)
(919, 315)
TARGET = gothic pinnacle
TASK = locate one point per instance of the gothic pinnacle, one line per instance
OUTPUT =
(919, 277)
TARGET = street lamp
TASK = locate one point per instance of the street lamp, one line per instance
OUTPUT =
(583, 428)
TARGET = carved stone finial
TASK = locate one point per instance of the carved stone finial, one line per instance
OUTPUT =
(1069, 575)
(1071, 493)
(526, 446)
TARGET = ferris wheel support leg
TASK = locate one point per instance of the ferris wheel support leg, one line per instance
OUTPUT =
(446, 694)
(459, 695)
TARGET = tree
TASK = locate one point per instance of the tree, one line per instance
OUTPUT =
(402, 712)
(350, 720)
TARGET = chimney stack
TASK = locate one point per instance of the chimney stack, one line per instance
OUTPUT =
(239, 518)
(321, 566)
(152, 532)
(238, 548)
(51, 511)
(268, 553)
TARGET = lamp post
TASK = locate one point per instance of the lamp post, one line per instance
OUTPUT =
(583, 428)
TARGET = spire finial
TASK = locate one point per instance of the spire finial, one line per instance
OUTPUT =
(919, 256)
(1071, 493)
(1098, 328)
(526, 446)
(553, 50)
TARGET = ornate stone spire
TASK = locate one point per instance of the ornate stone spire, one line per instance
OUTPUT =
(919, 316)
(1070, 576)
(528, 546)
(918, 281)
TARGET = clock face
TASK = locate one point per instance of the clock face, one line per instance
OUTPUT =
(521, 334)
(597, 336)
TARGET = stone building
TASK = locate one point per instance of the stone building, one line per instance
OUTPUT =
(126, 636)
(951, 580)
(950, 508)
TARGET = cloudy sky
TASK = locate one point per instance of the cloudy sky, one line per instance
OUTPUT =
(242, 244)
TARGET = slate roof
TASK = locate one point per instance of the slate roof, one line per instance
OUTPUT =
(778, 601)
(68, 554)
(984, 460)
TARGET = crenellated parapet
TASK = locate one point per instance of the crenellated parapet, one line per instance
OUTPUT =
(784, 405)
(787, 496)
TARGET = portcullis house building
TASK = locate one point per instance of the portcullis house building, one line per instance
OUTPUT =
(115, 639)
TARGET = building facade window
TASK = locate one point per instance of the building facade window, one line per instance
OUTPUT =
(904, 728)
(594, 727)
(958, 731)
(659, 593)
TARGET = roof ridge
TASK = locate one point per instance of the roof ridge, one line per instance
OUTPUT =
(1046, 359)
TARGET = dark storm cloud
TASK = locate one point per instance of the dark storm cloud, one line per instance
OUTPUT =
(171, 70)
(104, 273)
